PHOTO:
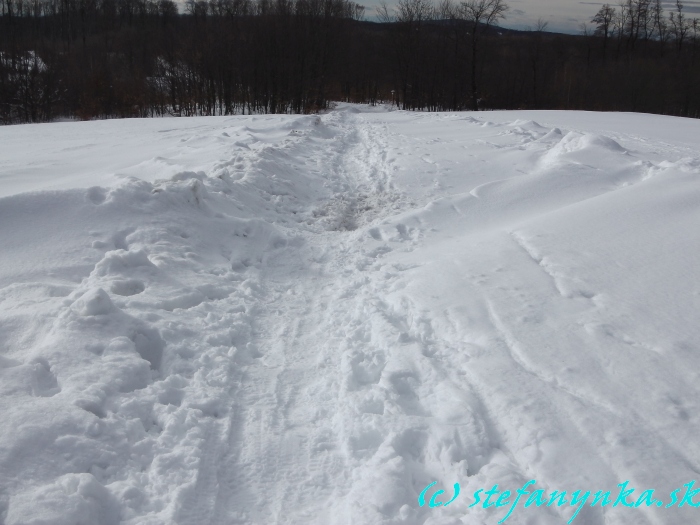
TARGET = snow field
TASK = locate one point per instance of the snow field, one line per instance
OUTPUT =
(301, 320)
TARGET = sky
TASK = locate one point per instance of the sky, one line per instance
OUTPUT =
(564, 16)
(560, 15)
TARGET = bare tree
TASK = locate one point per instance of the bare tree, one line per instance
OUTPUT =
(696, 32)
(621, 23)
(409, 18)
(642, 12)
(660, 26)
(680, 26)
(604, 20)
(479, 15)
(536, 55)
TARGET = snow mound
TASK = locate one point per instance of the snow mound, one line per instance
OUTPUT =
(527, 124)
(553, 135)
(573, 142)
(72, 498)
(94, 302)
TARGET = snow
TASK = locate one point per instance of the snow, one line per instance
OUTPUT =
(308, 319)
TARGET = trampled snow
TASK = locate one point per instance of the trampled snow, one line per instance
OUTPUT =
(308, 319)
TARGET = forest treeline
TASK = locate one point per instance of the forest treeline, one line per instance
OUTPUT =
(137, 58)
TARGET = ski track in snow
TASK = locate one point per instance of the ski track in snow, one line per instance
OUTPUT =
(310, 318)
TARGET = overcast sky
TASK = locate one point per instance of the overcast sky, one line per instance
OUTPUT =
(565, 16)
(561, 15)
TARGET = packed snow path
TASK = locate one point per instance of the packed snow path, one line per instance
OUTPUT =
(306, 320)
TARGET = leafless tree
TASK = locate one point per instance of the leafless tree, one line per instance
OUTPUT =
(409, 18)
(604, 24)
(479, 15)
(660, 26)
(536, 56)
(680, 25)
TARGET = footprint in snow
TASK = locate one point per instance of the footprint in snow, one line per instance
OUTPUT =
(96, 195)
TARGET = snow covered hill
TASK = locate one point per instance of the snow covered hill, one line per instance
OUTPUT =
(307, 320)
